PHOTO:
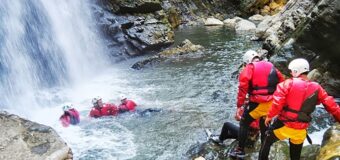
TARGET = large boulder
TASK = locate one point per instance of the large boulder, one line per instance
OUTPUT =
(183, 50)
(132, 35)
(245, 26)
(231, 22)
(213, 22)
(23, 139)
(256, 18)
(330, 147)
(148, 33)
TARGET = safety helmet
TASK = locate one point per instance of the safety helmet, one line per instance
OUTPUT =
(66, 107)
(298, 66)
(122, 97)
(249, 56)
(95, 100)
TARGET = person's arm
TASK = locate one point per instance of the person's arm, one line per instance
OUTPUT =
(280, 75)
(76, 113)
(94, 113)
(244, 80)
(131, 105)
(279, 100)
(65, 120)
(112, 109)
(329, 103)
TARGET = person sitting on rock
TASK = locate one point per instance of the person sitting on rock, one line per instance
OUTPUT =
(70, 116)
(126, 105)
(231, 131)
(100, 109)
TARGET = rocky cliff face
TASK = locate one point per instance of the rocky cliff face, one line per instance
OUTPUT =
(264, 7)
(23, 139)
(301, 28)
(321, 38)
(306, 29)
(137, 27)
(133, 27)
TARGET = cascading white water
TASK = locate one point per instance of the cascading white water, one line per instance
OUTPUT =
(51, 54)
(45, 44)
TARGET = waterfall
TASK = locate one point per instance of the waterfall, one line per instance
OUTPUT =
(45, 44)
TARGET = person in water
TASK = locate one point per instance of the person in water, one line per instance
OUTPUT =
(294, 101)
(70, 116)
(126, 105)
(231, 131)
(100, 109)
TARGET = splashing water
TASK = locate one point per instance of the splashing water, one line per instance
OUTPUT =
(49, 51)
(44, 44)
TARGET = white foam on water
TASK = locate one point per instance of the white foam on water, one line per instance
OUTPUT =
(104, 138)
(316, 137)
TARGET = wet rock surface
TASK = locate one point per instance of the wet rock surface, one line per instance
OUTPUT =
(212, 151)
(132, 6)
(138, 27)
(23, 139)
(264, 7)
(133, 28)
(184, 50)
(280, 150)
(330, 147)
(307, 29)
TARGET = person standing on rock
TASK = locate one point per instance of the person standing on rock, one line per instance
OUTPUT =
(258, 79)
(293, 102)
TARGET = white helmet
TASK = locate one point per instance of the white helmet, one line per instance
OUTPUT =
(122, 96)
(67, 107)
(298, 66)
(95, 100)
(249, 56)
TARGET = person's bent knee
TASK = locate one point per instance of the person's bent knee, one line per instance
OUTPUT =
(246, 120)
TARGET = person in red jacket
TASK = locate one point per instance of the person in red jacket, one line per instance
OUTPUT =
(258, 80)
(126, 105)
(294, 101)
(70, 116)
(102, 109)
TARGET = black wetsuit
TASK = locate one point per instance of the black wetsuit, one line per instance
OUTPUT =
(142, 112)
(231, 131)
(294, 149)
